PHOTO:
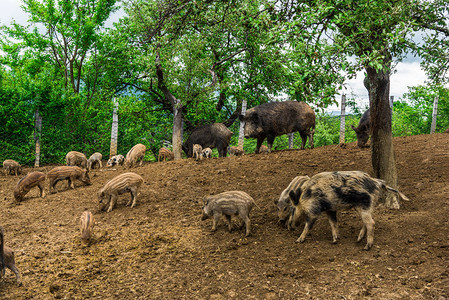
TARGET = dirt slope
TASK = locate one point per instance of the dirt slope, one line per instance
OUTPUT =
(161, 250)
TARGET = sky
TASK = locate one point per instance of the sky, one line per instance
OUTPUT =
(408, 73)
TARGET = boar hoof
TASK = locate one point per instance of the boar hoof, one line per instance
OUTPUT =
(367, 247)
(300, 240)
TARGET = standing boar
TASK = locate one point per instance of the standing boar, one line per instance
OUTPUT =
(363, 130)
(87, 222)
(197, 152)
(273, 119)
(94, 159)
(332, 191)
(229, 204)
(126, 182)
(165, 154)
(284, 205)
(12, 167)
(237, 151)
(215, 135)
(7, 259)
(27, 183)
(75, 158)
(116, 160)
(207, 153)
(67, 172)
(134, 155)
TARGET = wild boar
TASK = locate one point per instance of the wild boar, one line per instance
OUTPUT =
(284, 205)
(263, 149)
(273, 119)
(237, 151)
(134, 155)
(87, 223)
(165, 154)
(116, 160)
(197, 152)
(67, 172)
(332, 191)
(126, 182)
(12, 167)
(27, 183)
(94, 159)
(75, 158)
(207, 153)
(363, 130)
(7, 259)
(215, 135)
(228, 204)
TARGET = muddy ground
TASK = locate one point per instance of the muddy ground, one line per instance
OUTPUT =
(162, 250)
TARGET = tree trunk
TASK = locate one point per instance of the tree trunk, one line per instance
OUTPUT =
(382, 152)
(177, 128)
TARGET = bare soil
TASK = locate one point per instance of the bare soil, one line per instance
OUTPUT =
(161, 250)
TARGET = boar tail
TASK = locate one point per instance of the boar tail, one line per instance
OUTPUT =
(401, 195)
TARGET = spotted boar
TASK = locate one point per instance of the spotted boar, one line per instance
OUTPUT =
(7, 259)
(332, 191)
(237, 151)
(363, 130)
(12, 167)
(75, 158)
(197, 152)
(273, 119)
(27, 183)
(284, 205)
(165, 154)
(228, 204)
(134, 155)
(94, 160)
(116, 160)
(87, 223)
(215, 135)
(123, 183)
(207, 153)
(71, 173)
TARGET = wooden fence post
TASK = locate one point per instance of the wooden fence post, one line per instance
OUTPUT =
(37, 137)
(342, 119)
(434, 115)
(242, 125)
(114, 130)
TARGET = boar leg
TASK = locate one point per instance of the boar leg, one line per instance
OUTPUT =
(259, 143)
(217, 217)
(101, 165)
(112, 203)
(13, 268)
(303, 140)
(311, 138)
(133, 198)
(309, 224)
(41, 189)
(332, 216)
(369, 224)
(270, 141)
(70, 184)
(228, 219)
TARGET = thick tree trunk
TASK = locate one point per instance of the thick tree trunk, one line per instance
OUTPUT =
(382, 152)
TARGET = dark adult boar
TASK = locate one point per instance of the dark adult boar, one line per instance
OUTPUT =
(273, 119)
(332, 191)
(27, 183)
(67, 172)
(363, 130)
(215, 135)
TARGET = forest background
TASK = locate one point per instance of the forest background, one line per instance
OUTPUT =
(69, 67)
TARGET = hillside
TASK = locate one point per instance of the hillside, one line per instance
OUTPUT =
(161, 249)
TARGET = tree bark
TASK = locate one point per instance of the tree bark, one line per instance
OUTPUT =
(382, 152)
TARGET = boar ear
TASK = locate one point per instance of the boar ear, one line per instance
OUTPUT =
(241, 117)
(294, 197)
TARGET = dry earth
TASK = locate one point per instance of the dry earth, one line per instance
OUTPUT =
(161, 250)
